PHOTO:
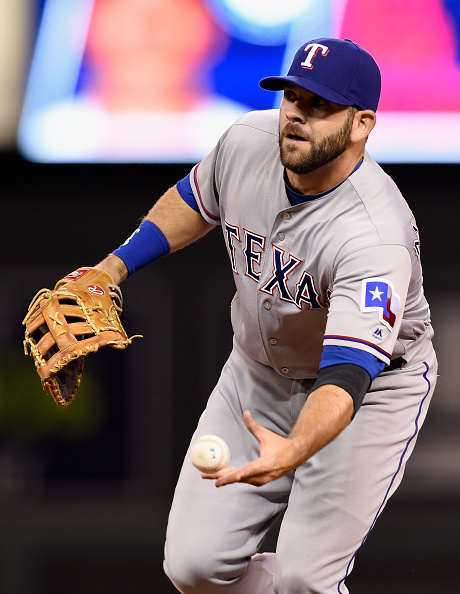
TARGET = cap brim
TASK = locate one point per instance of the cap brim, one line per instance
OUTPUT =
(278, 83)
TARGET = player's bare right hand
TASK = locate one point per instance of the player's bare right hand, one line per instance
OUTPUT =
(278, 456)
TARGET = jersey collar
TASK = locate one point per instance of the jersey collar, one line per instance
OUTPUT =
(295, 198)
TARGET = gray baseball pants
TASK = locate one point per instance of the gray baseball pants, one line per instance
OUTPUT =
(331, 502)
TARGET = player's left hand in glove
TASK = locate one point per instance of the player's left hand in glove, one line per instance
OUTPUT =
(78, 317)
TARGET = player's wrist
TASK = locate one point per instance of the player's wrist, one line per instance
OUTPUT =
(114, 266)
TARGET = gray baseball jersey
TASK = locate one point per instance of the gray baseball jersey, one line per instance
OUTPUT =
(342, 269)
(339, 270)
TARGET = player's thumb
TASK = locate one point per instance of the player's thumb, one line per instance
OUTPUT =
(253, 426)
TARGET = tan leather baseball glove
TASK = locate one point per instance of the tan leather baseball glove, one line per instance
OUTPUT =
(78, 317)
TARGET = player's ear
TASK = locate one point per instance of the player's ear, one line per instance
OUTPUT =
(364, 122)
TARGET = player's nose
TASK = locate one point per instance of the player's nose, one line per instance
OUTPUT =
(295, 114)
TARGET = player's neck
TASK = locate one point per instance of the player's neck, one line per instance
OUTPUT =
(326, 177)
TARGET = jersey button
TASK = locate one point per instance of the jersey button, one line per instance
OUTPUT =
(285, 370)
(281, 236)
(287, 216)
(273, 341)
(267, 305)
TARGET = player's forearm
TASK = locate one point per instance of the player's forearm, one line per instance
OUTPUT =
(325, 414)
(180, 224)
(176, 221)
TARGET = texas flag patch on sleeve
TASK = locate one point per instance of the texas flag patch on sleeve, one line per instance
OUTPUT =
(378, 294)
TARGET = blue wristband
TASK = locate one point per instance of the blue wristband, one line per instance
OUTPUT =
(145, 245)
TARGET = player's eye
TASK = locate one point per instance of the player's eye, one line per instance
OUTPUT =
(289, 95)
(318, 101)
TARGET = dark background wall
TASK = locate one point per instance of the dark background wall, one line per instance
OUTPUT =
(84, 491)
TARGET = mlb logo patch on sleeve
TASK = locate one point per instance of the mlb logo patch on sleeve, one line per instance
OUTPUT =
(378, 294)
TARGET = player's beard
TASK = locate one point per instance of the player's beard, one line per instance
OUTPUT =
(318, 153)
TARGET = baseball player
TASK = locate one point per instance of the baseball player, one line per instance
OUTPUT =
(332, 368)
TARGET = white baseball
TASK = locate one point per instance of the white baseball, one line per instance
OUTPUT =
(210, 453)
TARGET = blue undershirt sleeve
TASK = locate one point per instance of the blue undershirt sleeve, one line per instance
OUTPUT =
(185, 190)
(336, 355)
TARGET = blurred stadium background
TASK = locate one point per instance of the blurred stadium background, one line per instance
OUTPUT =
(84, 491)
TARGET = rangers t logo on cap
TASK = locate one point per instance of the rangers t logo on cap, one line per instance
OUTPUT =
(313, 49)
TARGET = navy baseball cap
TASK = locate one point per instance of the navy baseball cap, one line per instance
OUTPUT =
(335, 69)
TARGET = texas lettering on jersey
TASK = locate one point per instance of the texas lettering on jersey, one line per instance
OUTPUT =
(304, 295)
